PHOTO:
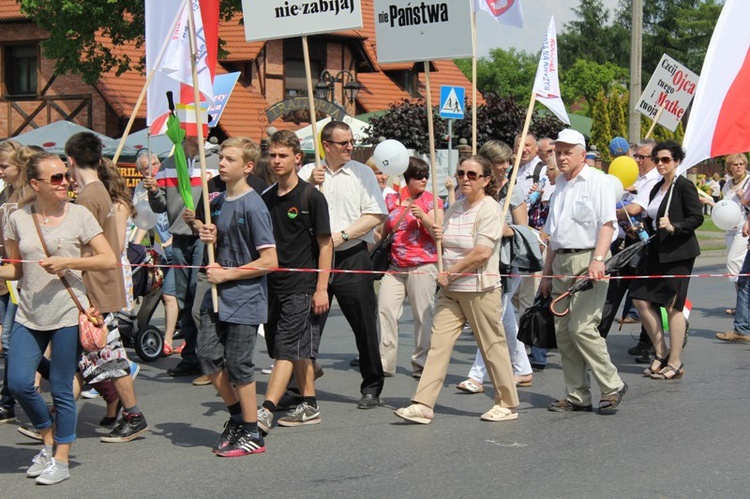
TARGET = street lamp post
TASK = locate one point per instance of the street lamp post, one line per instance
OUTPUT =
(326, 86)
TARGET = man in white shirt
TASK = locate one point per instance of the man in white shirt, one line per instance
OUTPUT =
(581, 228)
(356, 207)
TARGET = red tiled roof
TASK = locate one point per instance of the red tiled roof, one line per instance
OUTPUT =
(233, 34)
(378, 92)
(10, 11)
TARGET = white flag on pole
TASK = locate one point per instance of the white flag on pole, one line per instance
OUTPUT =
(174, 68)
(547, 82)
(503, 11)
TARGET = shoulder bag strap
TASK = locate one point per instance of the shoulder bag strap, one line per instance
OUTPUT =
(398, 220)
(46, 252)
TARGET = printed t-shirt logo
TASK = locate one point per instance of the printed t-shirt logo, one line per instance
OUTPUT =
(292, 213)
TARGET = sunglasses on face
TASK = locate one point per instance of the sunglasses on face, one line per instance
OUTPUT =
(664, 160)
(421, 176)
(342, 143)
(57, 178)
(470, 174)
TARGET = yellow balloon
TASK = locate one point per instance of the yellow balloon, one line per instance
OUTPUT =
(626, 169)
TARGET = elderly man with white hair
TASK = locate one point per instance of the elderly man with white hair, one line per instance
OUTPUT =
(581, 228)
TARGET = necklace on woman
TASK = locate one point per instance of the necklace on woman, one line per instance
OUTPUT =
(738, 182)
(45, 218)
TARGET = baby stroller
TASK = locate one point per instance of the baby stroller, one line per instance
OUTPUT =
(135, 330)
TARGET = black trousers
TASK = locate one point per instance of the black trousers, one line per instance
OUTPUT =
(356, 297)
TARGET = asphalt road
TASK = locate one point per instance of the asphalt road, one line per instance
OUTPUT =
(681, 438)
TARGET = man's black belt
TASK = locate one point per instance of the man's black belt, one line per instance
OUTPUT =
(350, 251)
(566, 251)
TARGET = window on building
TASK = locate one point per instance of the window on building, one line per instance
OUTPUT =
(21, 69)
(295, 82)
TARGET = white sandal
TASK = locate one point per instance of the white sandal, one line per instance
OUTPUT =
(415, 413)
(469, 386)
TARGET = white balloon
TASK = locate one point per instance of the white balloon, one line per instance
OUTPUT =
(391, 157)
(145, 218)
(617, 185)
(726, 214)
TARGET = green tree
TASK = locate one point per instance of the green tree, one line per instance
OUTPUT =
(406, 121)
(616, 107)
(82, 33)
(504, 72)
(601, 126)
(585, 79)
(591, 36)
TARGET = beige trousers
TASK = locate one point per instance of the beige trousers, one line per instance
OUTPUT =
(418, 283)
(483, 311)
(578, 340)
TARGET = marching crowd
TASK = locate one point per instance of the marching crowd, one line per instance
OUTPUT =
(326, 217)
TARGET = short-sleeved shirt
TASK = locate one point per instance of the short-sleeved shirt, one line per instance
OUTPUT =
(294, 216)
(44, 303)
(351, 191)
(243, 225)
(463, 230)
(525, 177)
(412, 243)
(578, 209)
(105, 288)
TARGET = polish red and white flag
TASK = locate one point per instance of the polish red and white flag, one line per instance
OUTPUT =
(503, 11)
(719, 122)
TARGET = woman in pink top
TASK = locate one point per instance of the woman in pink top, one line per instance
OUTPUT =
(413, 267)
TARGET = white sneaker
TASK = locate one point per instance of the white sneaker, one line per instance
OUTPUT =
(55, 473)
(91, 393)
(267, 370)
(40, 463)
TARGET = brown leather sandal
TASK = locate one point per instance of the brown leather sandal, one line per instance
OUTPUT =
(669, 372)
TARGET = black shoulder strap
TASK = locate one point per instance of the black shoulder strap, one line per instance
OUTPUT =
(305, 211)
(538, 171)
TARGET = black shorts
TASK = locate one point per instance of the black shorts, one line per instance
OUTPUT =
(226, 345)
(292, 330)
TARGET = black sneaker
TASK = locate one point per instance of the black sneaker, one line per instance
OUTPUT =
(642, 348)
(290, 400)
(7, 415)
(130, 426)
(185, 369)
(227, 436)
(244, 444)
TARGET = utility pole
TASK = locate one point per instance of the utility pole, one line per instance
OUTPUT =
(636, 48)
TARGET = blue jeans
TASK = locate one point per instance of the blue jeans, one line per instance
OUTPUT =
(742, 316)
(8, 315)
(187, 250)
(26, 350)
(539, 356)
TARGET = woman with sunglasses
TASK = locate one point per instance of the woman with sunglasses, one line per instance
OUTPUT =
(499, 154)
(469, 290)
(413, 267)
(46, 312)
(673, 214)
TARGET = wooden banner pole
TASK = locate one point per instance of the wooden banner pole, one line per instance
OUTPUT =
(433, 166)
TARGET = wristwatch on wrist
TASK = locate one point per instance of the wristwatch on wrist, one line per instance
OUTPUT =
(344, 235)
(599, 258)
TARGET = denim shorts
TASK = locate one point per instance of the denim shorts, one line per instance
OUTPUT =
(292, 331)
(226, 345)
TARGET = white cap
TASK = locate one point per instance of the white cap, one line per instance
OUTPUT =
(570, 136)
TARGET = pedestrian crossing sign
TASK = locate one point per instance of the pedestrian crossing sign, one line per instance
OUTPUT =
(452, 102)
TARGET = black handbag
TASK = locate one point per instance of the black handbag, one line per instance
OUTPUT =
(380, 256)
(537, 325)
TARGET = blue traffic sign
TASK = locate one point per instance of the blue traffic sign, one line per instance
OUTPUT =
(452, 102)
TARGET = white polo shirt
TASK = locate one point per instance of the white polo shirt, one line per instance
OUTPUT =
(352, 191)
(578, 209)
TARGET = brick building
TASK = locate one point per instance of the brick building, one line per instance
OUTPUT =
(271, 72)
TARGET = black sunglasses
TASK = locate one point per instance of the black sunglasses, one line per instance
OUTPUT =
(664, 160)
(470, 174)
(421, 176)
(57, 178)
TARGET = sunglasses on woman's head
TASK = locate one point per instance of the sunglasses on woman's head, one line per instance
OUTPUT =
(57, 178)
(468, 174)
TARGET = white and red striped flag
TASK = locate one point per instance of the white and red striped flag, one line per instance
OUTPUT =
(503, 11)
(719, 122)
(547, 81)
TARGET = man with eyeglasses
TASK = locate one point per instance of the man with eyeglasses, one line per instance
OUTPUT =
(356, 207)
(581, 228)
(545, 149)
(638, 201)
